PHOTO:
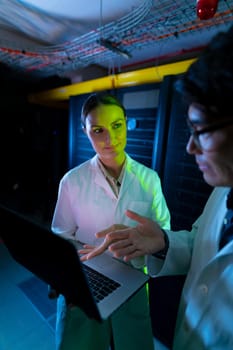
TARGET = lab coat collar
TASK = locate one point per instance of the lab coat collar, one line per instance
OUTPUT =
(130, 169)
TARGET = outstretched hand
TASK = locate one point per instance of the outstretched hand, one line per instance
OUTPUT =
(132, 242)
(128, 242)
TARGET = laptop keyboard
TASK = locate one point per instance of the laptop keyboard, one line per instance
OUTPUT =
(101, 285)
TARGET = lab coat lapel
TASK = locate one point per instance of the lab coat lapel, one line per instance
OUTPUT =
(129, 175)
(128, 178)
(99, 178)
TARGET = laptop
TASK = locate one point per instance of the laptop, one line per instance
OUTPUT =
(55, 260)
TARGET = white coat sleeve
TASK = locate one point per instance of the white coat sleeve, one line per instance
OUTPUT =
(179, 254)
(63, 222)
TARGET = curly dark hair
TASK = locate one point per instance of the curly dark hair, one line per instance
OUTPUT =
(209, 80)
(98, 99)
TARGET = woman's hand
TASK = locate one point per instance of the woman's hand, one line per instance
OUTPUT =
(89, 251)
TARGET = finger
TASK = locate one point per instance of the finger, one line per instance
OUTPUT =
(83, 258)
(128, 253)
(84, 251)
(122, 243)
(93, 253)
(119, 235)
(98, 250)
(90, 254)
(113, 228)
(102, 233)
(88, 246)
(86, 257)
(125, 252)
(136, 217)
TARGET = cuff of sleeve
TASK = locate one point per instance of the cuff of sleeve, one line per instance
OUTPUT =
(162, 253)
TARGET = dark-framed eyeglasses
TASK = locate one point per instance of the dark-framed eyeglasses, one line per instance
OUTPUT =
(199, 141)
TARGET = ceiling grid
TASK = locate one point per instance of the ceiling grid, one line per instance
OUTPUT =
(152, 30)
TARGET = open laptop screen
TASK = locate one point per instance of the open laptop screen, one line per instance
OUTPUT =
(50, 257)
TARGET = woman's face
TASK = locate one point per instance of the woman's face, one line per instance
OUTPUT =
(107, 132)
(215, 155)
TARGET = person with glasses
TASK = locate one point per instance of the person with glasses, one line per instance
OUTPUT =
(205, 254)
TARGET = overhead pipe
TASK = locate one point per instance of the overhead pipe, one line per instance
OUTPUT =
(115, 81)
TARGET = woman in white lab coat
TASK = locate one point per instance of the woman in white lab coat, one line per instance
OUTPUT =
(92, 197)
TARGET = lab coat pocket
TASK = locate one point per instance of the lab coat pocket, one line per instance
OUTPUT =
(140, 207)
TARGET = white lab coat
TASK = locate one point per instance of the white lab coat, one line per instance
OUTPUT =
(205, 316)
(86, 204)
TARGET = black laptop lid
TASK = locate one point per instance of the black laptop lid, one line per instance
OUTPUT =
(49, 256)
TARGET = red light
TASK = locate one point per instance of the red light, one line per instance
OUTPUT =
(206, 9)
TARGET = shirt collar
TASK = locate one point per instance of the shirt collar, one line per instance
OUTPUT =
(107, 175)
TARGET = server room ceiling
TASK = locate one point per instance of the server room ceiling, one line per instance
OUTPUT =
(41, 38)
